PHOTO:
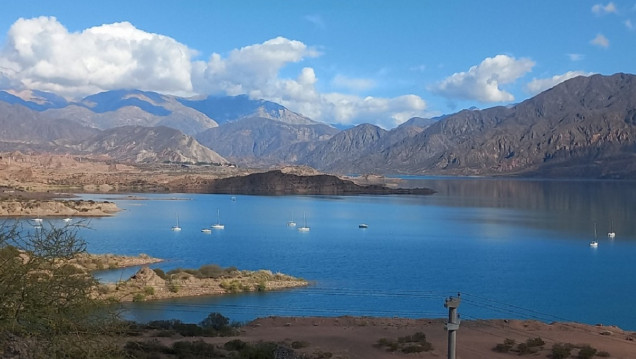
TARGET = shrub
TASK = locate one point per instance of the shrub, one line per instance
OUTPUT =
(505, 346)
(196, 349)
(586, 352)
(535, 342)
(160, 273)
(561, 351)
(235, 345)
(215, 321)
(139, 297)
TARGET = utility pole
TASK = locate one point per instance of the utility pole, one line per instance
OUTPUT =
(453, 323)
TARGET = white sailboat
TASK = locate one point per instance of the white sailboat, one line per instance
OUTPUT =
(611, 233)
(291, 223)
(176, 227)
(206, 230)
(304, 227)
(594, 243)
(218, 224)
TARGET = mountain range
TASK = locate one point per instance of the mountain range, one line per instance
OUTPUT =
(584, 127)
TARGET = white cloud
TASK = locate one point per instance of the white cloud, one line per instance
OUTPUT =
(251, 69)
(42, 54)
(483, 82)
(628, 24)
(600, 41)
(539, 85)
(575, 57)
(601, 9)
(384, 112)
(352, 84)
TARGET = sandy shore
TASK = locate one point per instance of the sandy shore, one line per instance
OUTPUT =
(356, 337)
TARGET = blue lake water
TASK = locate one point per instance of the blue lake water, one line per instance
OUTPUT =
(512, 248)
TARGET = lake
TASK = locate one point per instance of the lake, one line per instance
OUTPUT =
(512, 248)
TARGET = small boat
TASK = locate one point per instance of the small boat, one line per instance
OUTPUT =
(611, 233)
(206, 230)
(176, 227)
(363, 225)
(291, 223)
(67, 219)
(304, 227)
(218, 224)
(37, 220)
(594, 243)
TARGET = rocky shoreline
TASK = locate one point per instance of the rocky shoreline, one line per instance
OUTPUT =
(148, 284)
(56, 208)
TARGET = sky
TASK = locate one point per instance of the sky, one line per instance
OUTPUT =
(335, 61)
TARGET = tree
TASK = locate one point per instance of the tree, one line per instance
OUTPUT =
(44, 298)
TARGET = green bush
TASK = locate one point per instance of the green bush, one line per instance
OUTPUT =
(586, 352)
(535, 342)
(561, 351)
(505, 346)
(160, 273)
(215, 321)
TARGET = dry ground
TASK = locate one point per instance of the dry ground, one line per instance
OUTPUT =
(354, 337)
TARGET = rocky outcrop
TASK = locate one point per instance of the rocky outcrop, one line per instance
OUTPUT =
(147, 284)
(56, 208)
(280, 183)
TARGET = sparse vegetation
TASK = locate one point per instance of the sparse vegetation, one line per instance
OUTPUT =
(561, 351)
(415, 343)
(530, 346)
(45, 302)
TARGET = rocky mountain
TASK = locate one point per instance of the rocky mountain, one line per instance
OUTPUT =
(26, 130)
(112, 109)
(584, 127)
(149, 144)
(20, 125)
(263, 142)
(230, 108)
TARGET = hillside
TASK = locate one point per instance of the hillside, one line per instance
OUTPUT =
(584, 127)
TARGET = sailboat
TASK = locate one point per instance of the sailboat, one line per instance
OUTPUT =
(218, 224)
(611, 233)
(304, 227)
(176, 227)
(291, 223)
(594, 243)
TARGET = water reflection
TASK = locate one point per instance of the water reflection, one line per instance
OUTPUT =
(573, 205)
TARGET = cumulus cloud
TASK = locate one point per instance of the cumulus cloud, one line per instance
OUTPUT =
(600, 41)
(251, 69)
(483, 82)
(539, 85)
(600, 9)
(42, 54)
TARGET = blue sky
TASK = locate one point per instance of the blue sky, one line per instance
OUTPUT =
(335, 61)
